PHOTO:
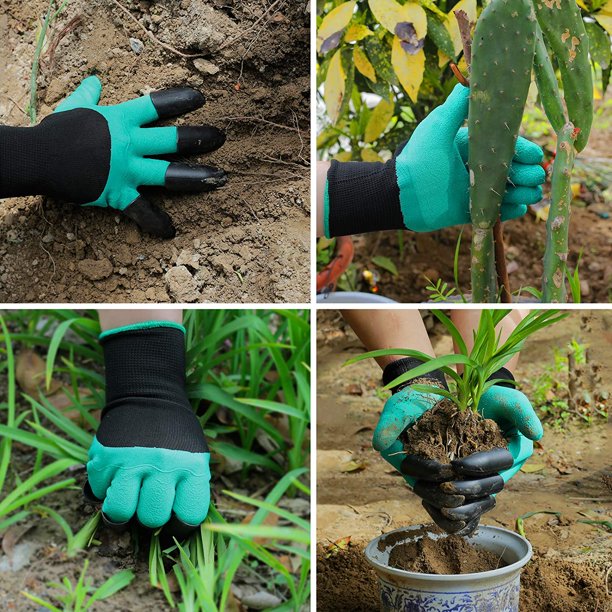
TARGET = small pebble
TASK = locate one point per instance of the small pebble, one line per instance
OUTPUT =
(136, 45)
(47, 238)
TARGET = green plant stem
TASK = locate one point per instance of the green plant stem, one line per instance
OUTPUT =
(557, 226)
(49, 18)
(483, 265)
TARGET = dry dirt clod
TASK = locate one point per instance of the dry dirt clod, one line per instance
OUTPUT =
(181, 285)
(205, 67)
(95, 269)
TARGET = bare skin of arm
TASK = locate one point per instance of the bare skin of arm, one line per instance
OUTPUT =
(466, 321)
(111, 319)
(322, 168)
(385, 329)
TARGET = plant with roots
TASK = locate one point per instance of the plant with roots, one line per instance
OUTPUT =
(512, 38)
(487, 356)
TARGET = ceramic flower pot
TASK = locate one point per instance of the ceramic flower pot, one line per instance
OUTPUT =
(491, 591)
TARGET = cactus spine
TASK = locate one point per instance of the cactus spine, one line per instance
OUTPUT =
(557, 226)
(502, 59)
(566, 37)
(547, 85)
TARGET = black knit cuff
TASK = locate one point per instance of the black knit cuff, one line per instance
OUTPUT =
(504, 374)
(401, 366)
(362, 197)
(145, 363)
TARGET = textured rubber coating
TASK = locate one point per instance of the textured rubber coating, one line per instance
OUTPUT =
(38, 161)
(401, 366)
(365, 198)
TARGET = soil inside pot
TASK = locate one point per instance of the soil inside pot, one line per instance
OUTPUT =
(445, 433)
(449, 555)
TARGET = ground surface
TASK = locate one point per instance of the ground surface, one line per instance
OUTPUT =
(570, 560)
(431, 255)
(248, 242)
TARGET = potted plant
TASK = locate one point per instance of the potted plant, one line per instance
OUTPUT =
(454, 412)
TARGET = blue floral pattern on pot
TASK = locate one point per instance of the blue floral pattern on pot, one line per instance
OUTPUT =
(503, 598)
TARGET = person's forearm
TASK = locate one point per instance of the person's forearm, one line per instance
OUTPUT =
(112, 319)
(467, 322)
(322, 168)
(386, 329)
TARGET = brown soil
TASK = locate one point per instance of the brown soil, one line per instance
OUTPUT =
(247, 242)
(444, 433)
(431, 255)
(449, 555)
(570, 469)
(552, 585)
(347, 582)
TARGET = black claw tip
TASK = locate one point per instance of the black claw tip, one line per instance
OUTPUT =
(194, 179)
(151, 218)
(199, 139)
(176, 101)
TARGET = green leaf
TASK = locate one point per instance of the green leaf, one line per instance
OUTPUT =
(599, 44)
(439, 35)
(385, 263)
(114, 584)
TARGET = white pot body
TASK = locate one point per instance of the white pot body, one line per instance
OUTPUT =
(492, 591)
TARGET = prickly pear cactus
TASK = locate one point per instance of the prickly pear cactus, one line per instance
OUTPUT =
(547, 84)
(555, 257)
(502, 59)
(564, 31)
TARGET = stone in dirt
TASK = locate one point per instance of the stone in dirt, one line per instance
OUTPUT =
(181, 285)
(205, 67)
(95, 269)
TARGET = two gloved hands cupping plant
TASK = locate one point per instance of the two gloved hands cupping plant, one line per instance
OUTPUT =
(456, 494)
(149, 458)
(425, 186)
(101, 155)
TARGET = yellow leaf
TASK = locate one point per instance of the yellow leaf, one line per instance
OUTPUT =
(389, 14)
(352, 466)
(332, 25)
(343, 156)
(605, 17)
(357, 32)
(443, 59)
(370, 155)
(469, 6)
(334, 87)
(362, 63)
(530, 468)
(378, 121)
(408, 68)
(582, 5)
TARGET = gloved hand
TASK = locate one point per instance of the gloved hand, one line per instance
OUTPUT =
(100, 155)
(455, 495)
(149, 457)
(425, 186)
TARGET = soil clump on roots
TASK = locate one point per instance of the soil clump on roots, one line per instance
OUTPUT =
(445, 433)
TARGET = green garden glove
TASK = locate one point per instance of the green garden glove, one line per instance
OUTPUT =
(425, 186)
(149, 458)
(101, 155)
(458, 493)
(514, 414)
